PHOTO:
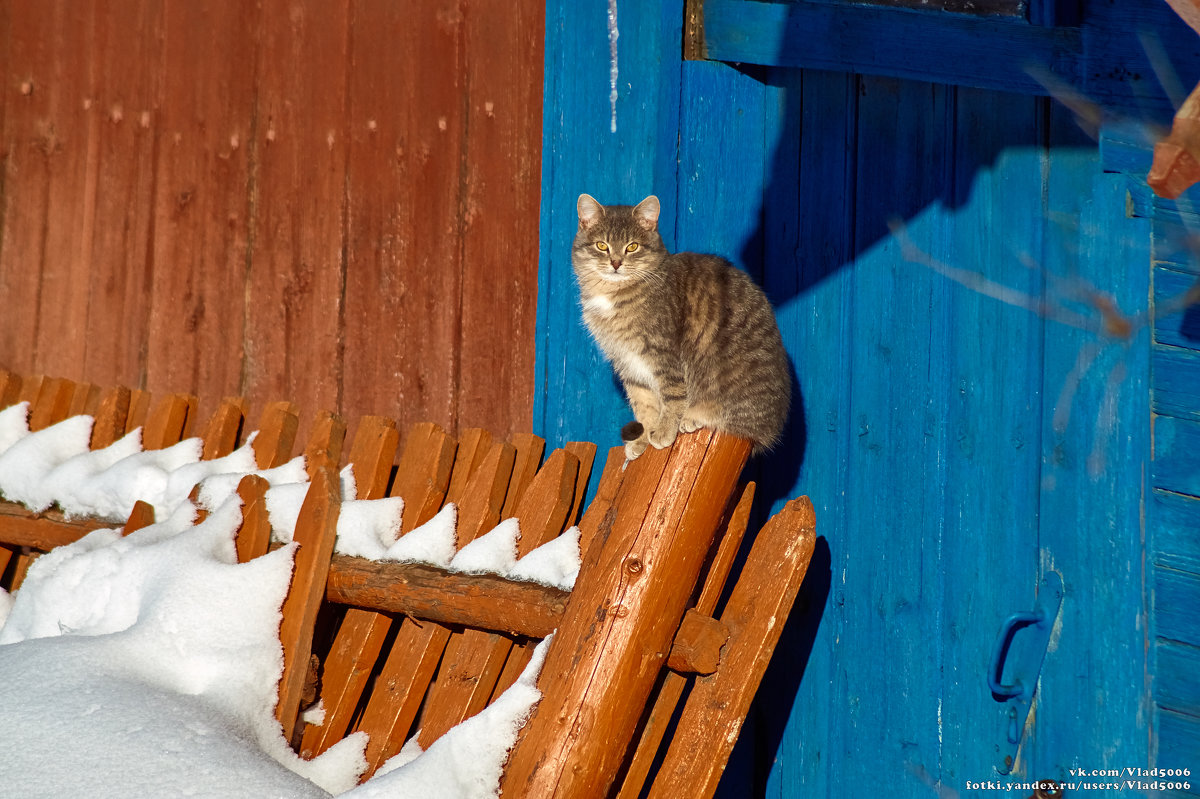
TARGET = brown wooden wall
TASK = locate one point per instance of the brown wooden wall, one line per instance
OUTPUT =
(325, 201)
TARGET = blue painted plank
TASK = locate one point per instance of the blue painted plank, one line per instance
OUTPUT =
(1179, 748)
(808, 243)
(722, 145)
(991, 53)
(1176, 390)
(992, 413)
(1175, 685)
(889, 582)
(1176, 465)
(1175, 323)
(1104, 60)
(576, 396)
(1175, 519)
(1177, 606)
(1175, 247)
(1093, 681)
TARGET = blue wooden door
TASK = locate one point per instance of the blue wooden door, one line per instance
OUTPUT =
(966, 424)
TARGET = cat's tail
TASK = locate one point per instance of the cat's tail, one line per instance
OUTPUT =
(632, 432)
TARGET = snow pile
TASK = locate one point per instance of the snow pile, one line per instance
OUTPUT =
(147, 659)
(147, 665)
(55, 467)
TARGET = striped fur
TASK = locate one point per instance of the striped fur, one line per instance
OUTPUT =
(692, 338)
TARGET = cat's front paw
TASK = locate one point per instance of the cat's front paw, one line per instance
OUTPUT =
(662, 435)
(635, 448)
(690, 424)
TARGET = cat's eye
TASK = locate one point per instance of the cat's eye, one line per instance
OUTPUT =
(601, 246)
(633, 246)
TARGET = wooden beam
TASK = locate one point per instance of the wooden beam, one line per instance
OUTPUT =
(613, 641)
(484, 601)
(316, 531)
(718, 703)
(19, 527)
(956, 49)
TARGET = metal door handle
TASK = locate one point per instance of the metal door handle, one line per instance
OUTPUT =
(1017, 698)
(1004, 640)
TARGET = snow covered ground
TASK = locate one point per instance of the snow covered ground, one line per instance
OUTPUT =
(147, 665)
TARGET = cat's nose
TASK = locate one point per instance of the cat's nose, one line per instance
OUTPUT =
(615, 265)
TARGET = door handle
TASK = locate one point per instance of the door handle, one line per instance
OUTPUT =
(1017, 695)
(1008, 632)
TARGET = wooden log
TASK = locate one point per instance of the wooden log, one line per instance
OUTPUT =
(474, 660)
(276, 435)
(224, 427)
(484, 601)
(361, 634)
(316, 531)
(410, 665)
(111, 417)
(635, 584)
(19, 527)
(673, 684)
(254, 535)
(718, 703)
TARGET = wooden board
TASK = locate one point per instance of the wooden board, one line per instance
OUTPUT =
(223, 201)
(293, 288)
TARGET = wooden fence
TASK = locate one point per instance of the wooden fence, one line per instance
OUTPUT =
(409, 649)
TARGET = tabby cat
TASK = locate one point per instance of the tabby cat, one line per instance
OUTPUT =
(692, 338)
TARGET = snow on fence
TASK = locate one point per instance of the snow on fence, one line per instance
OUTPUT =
(472, 553)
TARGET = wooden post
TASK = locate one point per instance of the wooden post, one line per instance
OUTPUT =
(671, 690)
(713, 715)
(111, 417)
(634, 586)
(316, 531)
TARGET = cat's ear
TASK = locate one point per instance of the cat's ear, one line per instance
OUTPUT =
(646, 212)
(590, 211)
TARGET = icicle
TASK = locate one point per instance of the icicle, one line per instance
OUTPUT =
(613, 33)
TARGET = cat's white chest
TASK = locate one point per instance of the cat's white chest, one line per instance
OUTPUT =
(598, 304)
(632, 366)
(618, 348)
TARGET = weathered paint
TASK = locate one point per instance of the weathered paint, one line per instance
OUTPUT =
(283, 199)
(956, 447)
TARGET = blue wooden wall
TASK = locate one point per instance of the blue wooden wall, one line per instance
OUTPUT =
(957, 447)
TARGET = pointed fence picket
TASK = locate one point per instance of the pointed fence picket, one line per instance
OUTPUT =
(642, 671)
